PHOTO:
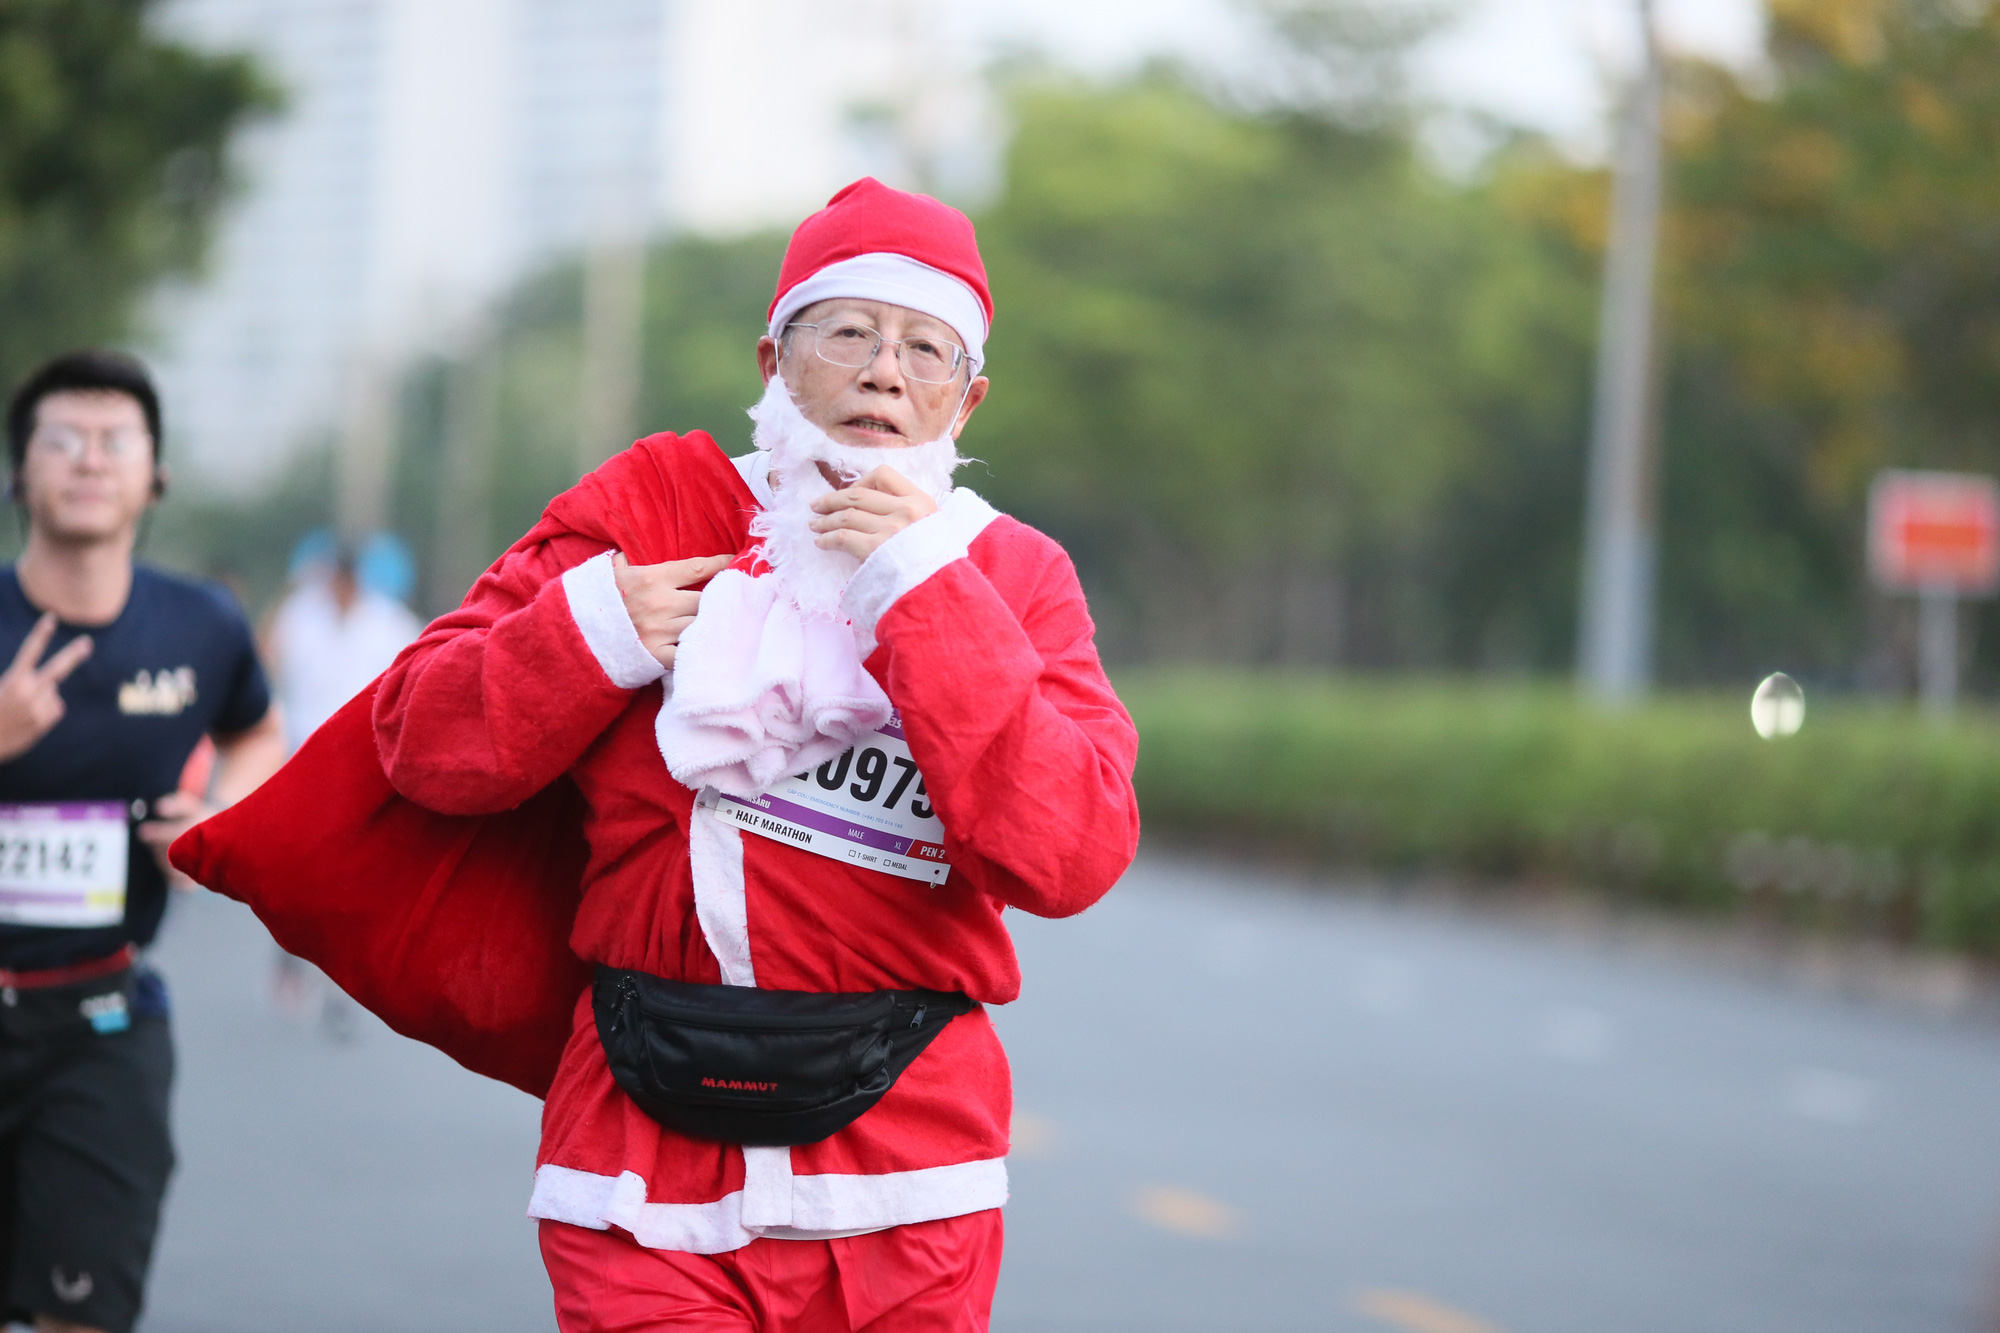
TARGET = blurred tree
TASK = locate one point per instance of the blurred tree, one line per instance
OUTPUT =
(1247, 363)
(1291, 392)
(1841, 233)
(1831, 283)
(1344, 59)
(705, 303)
(1834, 287)
(1285, 391)
(112, 162)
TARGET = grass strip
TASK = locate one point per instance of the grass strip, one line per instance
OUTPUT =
(1868, 819)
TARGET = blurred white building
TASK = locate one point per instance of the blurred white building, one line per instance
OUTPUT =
(775, 104)
(432, 152)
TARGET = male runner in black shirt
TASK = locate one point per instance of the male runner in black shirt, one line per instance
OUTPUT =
(117, 673)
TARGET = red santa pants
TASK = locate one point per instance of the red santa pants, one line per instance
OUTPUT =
(929, 1277)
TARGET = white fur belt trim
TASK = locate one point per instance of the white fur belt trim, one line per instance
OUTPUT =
(772, 1197)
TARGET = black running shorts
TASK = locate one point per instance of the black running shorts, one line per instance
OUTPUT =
(84, 1161)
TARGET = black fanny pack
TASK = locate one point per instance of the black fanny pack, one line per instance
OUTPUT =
(69, 1010)
(762, 1067)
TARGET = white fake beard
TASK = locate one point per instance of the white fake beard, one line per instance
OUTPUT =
(815, 578)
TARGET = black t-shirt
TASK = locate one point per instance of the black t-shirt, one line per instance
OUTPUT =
(177, 664)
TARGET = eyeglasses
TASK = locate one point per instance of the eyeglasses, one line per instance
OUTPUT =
(118, 443)
(928, 360)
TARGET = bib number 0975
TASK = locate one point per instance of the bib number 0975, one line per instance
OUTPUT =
(866, 806)
(872, 768)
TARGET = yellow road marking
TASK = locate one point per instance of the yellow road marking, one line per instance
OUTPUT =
(1417, 1313)
(1185, 1211)
(1032, 1135)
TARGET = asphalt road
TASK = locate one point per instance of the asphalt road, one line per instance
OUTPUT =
(1241, 1107)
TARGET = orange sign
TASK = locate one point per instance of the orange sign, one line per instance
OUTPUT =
(1934, 531)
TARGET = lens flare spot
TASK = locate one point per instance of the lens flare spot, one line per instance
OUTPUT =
(1778, 708)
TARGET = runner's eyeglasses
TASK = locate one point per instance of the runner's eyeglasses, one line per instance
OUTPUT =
(118, 443)
(927, 360)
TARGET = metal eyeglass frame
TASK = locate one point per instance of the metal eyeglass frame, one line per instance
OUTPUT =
(959, 358)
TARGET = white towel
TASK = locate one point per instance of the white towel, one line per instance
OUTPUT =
(761, 691)
(768, 680)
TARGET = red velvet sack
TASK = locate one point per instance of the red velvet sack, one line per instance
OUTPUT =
(414, 914)
(454, 930)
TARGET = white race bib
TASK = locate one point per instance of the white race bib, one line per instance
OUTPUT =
(867, 808)
(63, 864)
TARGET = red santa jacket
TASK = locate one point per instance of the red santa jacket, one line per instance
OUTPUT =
(537, 685)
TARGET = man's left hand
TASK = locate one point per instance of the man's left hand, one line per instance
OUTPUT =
(173, 814)
(860, 517)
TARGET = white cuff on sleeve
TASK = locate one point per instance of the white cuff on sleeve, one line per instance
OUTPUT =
(910, 557)
(599, 611)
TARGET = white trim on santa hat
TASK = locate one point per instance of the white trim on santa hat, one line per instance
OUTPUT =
(897, 280)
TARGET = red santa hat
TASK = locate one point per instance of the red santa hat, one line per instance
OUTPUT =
(878, 244)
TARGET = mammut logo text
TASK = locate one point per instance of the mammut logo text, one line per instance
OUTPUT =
(738, 1085)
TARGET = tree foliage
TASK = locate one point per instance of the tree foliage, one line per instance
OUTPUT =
(1285, 391)
(1289, 392)
(1833, 289)
(112, 164)
(1247, 364)
(704, 306)
(1839, 237)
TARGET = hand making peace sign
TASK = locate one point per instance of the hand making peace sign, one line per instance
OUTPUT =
(30, 700)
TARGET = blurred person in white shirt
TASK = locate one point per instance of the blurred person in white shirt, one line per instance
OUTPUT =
(332, 635)
(338, 629)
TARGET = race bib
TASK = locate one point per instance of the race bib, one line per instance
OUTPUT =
(866, 807)
(63, 864)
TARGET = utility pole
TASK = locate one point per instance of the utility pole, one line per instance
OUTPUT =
(614, 320)
(1937, 650)
(464, 534)
(1615, 631)
(367, 450)
(618, 177)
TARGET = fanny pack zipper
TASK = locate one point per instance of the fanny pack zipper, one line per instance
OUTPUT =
(701, 1016)
(628, 994)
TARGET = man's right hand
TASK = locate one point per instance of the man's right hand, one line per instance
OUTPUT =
(658, 600)
(30, 697)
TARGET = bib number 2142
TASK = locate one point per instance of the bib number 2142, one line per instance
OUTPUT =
(63, 864)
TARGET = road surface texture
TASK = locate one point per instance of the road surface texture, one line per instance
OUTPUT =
(1241, 1106)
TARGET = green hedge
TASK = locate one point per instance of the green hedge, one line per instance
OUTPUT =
(1869, 818)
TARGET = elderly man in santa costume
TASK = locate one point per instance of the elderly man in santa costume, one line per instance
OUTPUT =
(821, 717)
